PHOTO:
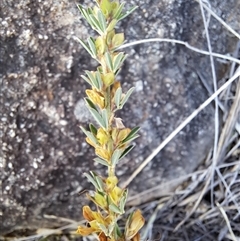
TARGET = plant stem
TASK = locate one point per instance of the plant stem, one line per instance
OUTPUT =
(111, 171)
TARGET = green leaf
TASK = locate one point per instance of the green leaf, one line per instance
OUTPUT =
(117, 97)
(115, 157)
(133, 138)
(91, 44)
(86, 47)
(108, 60)
(96, 24)
(96, 180)
(82, 10)
(126, 151)
(116, 72)
(92, 180)
(99, 69)
(93, 129)
(114, 208)
(90, 75)
(101, 161)
(105, 117)
(93, 79)
(89, 135)
(131, 135)
(87, 80)
(123, 200)
(88, 13)
(100, 183)
(90, 103)
(117, 232)
(124, 15)
(118, 61)
(103, 228)
(111, 25)
(98, 117)
(91, 19)
(125, 98)
(111, 227)
(99, 80)
(118, 11)
(102, 20)
(129, 220)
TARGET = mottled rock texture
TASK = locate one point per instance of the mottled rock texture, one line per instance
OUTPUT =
(43, 153)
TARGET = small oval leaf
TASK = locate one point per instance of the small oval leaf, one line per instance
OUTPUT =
(131, 135)
(124, 100)
(126, 151)
(101, 161)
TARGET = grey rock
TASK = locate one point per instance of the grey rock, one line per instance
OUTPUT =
(43, 151)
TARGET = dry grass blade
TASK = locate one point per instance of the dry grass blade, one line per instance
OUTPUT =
(216, 126)
(148, 229)
(67, 220)
(233, 67)
(220, 20)
(230, 237)
(230, 124)
(228, 193)
(210, 92)
(234, 149)
(227, 222)
(181, 126)
(44, 232)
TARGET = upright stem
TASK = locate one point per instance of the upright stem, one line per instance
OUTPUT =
(108, 99)
(111, 169)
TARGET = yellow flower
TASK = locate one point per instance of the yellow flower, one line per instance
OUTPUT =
(100, 200)
(108, 79)
(88, 213)
(96, 97)
(134, 223)
(100, 45)
(106, 7)
(111, 182)
(123, 133)
(103, 153)
(85, 231)
(102, 136)
(119, 135)
(115, 194)
(94, 220)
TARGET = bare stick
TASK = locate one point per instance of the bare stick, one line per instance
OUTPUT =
(217, 55)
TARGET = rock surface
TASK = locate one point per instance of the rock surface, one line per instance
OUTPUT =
(43, 151)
